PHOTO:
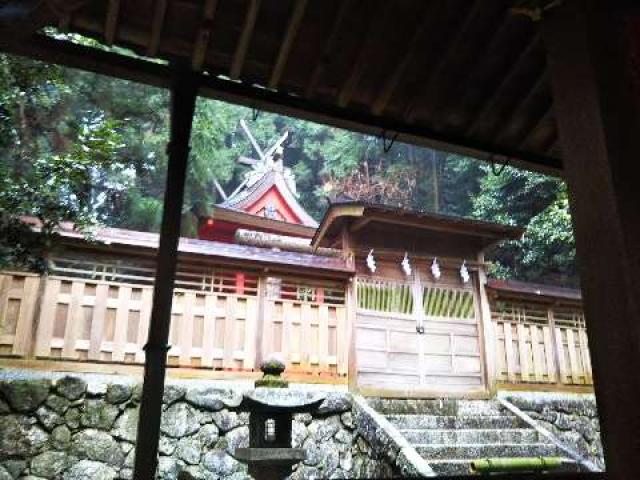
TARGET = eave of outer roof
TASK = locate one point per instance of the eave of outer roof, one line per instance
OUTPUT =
(338, 212)
(515, 287)
(224, 252)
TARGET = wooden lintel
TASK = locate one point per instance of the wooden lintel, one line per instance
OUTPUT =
(111, 24)
(245, 39)
(289, 37)
(159, 14)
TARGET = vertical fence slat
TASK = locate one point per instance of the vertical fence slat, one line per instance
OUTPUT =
(24, 327)
(586, 357)
(508, 345)
(47, 317)
(342, 341)
(250, 333)
(229, 332)
(548, 351)
(305, 336)
(122, 319)
(97, 322)
(209, 330)
(143, 325)
(323, 336)
(73, 320)
(536, 354)
(288, 314)
(573, 357)
(524, 354)
(185, 338)
(562, 364)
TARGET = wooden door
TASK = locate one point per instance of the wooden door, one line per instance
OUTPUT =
(443, 356)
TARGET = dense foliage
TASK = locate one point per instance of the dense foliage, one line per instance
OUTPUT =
(90, 149)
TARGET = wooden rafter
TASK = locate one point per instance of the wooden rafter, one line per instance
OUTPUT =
(498, 92)
(412, 108)
(289, 37)
(156, 28)
(111, 24)
(203, 36)
(410, 52)
(529, 134)
(521, 105)
(367, 44)
(245, 39)
(495, 42)
(321, 63)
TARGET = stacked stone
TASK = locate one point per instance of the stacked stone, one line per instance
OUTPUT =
(572, 418)
(68, 429)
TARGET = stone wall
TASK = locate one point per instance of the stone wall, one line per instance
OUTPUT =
(68, 429)
(572, 418)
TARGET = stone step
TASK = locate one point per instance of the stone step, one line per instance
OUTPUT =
(402, 421)
(462, 466)
(473, 451)
(448, 407)
(471, 436)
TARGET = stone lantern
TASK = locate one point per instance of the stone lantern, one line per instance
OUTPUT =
(271, 406)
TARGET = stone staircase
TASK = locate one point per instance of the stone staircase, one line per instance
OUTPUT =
(449, 434)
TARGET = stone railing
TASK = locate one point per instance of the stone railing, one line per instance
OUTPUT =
(72, 429)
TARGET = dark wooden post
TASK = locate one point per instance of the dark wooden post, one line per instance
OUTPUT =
(596, 106)
(183, 96)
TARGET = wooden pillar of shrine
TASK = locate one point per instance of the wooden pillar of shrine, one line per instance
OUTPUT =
(596, 99)
(183, 97)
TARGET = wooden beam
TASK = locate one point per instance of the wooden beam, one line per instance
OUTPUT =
(412, 108)
(245, 39)
(375, 24)
(489, 104)
(111, 24)
(289, 37)
(323, 61)
(590, 46)
(156, 27)
(399, 71)
(183, 99)
(203, 36)
(151, 73)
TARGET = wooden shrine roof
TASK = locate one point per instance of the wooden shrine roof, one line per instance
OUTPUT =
(463, 75)
(401, 226)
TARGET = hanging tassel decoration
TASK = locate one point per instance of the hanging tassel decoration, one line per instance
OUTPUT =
(406, 266)
(371, 262)
(464, 272)
(435, 269)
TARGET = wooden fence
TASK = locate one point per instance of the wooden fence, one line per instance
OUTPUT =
(221, 319)
(538, 343)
